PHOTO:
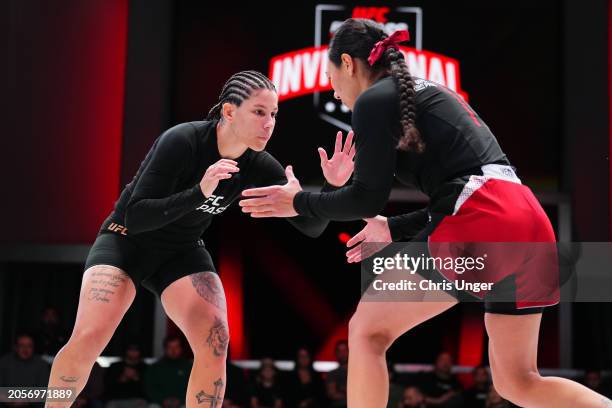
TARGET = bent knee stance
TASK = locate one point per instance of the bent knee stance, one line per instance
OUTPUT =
(209, 336)
(86, 344)
(217, 339)
(364, 335)
(515, 387)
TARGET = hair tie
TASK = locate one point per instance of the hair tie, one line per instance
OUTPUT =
(389, 42)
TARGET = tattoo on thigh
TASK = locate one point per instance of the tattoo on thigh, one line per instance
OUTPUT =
(213, 400)
(207, 286)
(104, 284)
(218, 338)
(69, 379)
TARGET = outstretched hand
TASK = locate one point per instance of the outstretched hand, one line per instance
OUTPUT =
(272, 201)
(339, 168)
(375, 234)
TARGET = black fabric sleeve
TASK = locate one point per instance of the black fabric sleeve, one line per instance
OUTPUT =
(270, 172)
(154, 202)
(366, 196)
(406, 226)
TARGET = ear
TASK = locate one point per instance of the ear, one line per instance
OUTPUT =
(347, 64)
(228, 110)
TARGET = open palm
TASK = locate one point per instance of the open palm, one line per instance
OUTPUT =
(339, 168)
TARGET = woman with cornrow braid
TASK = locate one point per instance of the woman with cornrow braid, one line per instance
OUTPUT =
(426, 135)
(192, 172)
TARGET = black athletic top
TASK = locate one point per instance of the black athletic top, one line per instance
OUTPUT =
(457, 144)
(164, 203)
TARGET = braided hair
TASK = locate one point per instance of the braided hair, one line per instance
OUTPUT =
(357, 37)
(239, 88)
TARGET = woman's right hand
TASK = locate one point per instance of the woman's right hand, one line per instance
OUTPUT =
(375, 234)
(220, 170)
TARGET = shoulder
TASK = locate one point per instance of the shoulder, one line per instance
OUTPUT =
(181, 133)
(263, 158)
(182, 138)
(380, 96)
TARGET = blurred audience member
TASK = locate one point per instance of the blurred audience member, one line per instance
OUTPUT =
(166, 380)
(336, 379)
(266, 392)
(476, 396)
(125, 380)
(441, 387)
(413, 398)
(22, 367)
(51, 335)
(305, 387)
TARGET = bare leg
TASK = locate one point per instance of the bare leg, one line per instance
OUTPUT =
(374, 327)
(106, 294)
(513, 347)
(196, 304)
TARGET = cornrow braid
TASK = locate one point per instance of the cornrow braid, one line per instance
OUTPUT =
(411, 137)
(239, 88)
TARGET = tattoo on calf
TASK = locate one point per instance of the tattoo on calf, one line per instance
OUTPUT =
(213, 400)
(208, 287)
(218, 338)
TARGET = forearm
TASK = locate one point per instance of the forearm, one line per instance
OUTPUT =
(407, 225)
(312, 226)
(352, 202)
(147, 214)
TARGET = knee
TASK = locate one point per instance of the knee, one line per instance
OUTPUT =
(365, 334)
(87, 342)
(516, 386)
(210, 336)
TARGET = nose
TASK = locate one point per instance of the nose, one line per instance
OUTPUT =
(269, 123)
(336, 95)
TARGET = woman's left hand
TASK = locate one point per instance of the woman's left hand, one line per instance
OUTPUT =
(272, 201)
(338, 169)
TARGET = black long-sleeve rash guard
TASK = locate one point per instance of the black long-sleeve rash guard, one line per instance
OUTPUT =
(164, 202)
(457, 144)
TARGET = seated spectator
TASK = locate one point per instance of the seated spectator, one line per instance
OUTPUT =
(476, 396)
(51, 335)
(413, 398)
(593, 380)
(305, 388)
(125, 380)
(92, 394)
(166, 380)
(22, 367)
(266, 392)
(396, 391)
(494, 400)
(336, 379)
(236, 389)
(441, 387)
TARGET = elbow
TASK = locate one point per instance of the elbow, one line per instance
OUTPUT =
(131, 221)
(372, 208)
(316, 232)
(369, 203)
(313, 227)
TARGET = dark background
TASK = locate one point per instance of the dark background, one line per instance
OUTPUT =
(89, 86)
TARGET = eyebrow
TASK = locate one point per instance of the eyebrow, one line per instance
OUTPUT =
(262, 106)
